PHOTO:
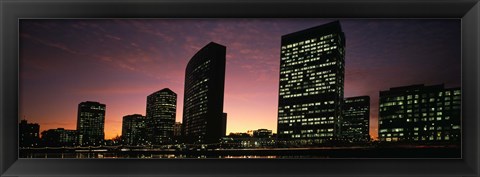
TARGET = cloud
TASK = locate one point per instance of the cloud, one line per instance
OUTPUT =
(146, 28)
(113, 37)
(56, 45)
(103, 58)
(88, 25)
(125, 66)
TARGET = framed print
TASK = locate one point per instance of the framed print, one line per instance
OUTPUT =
(244, 88)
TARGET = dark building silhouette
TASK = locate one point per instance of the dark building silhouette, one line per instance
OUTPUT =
(59, 138)
(224, 124)
(177, 132)
(114, 141)
(204, 93)
(420, 114)
(91, 123)
(356, 119)
(161, 112)
(134, 130)
(311, 85)
(177, 129)
(261, 138)
(28, 134)
(262, 133)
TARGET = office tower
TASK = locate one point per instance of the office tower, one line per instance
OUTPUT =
(28, 134)
(224, 124)
(203, 97)
(161, 112)
(311, 85)
(420, 114)
(91, 123)
(134, 130)
(356, 119)
(59, 137)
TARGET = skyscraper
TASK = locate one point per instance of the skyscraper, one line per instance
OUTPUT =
(28, 134)
(420, 114)
(161, 111)
(134, 130)
(91, 123)
(311, 85)
(356, 119)
(203, 97)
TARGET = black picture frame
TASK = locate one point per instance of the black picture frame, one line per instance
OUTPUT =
(11, 11)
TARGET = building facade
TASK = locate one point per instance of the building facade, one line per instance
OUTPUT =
(161, 113)
(311, 85)
(356, 119)
(29, 134)
(91, 123)
(59, 138)
(203, 96)
(420, 114)
(134, 131)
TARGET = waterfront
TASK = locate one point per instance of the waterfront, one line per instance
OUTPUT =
(323, 152)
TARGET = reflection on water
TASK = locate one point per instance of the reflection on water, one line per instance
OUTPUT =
(417, 152)
(141, 156)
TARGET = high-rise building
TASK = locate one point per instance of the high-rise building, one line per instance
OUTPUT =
(91, 123)
(161, 112)
(311, 85)
(204, 93)
(59, 137)
(134, 130)
(28, 134)
(420, 114)
(356, 119)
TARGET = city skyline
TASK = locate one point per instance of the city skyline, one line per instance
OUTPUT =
(240, 106)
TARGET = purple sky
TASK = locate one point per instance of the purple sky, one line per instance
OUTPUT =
(120, 62)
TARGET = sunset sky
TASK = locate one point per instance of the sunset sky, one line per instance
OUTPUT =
(119, 62)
